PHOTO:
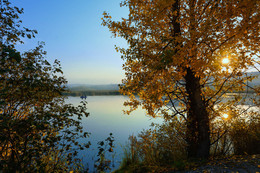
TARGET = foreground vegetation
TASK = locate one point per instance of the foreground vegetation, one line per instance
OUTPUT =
(183, 56)
(162, 148)
(40, 132)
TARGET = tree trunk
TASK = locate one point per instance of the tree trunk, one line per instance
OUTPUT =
(198, 136)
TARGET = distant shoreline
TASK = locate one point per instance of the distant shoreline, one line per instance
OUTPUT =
(116, 92)
(92, 93)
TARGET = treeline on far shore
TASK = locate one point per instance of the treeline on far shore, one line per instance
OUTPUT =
(116, 92)
(92, 93)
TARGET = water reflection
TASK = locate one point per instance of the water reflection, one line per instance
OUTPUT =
(106, 116)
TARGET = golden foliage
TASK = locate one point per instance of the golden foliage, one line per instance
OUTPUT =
(157, 58)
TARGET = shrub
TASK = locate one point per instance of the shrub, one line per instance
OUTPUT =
(158, 147)
(38, 131)
(245, 135)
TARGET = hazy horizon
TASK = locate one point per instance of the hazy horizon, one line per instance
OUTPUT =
(111, 83)
(73, 34)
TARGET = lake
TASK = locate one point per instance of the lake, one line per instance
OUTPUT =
(106, 116)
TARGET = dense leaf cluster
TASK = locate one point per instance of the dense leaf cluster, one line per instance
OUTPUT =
(174, 61)
(38, 130)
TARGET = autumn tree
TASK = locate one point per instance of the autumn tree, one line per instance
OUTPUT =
(38, 130)
(174, 59)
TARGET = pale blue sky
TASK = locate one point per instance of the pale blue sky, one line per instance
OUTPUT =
(72, 33)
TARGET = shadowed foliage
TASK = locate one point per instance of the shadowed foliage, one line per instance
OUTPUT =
(38, 130)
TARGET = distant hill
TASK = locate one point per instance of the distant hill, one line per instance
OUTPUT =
(87, 87)
(256, 81)
(91, 90)
(113, 89)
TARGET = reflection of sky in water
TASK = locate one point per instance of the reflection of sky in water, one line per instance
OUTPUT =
(106, 116)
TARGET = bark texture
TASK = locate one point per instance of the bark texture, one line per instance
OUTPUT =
(198, 135)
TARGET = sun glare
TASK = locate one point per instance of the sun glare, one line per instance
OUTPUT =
(225, 115)
(225, 60)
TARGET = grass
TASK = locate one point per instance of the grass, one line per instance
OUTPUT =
(158, 149)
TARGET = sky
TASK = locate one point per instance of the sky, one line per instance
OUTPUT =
(73, 34)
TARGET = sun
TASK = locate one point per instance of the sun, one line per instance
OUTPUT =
(225, 61)
(225, 115)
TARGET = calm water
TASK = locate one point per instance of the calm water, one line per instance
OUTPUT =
(106, 116)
